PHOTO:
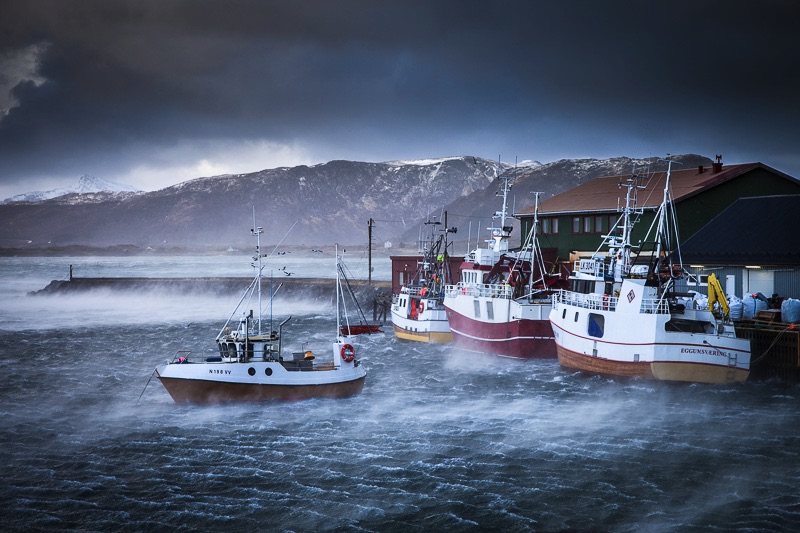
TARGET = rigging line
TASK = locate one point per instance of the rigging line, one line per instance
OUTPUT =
(284, 238)
(146, 384)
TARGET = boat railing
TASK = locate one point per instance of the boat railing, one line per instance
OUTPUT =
(488, 290)
(425, 292)
(655, 306)
(607, 302)
(586, 301)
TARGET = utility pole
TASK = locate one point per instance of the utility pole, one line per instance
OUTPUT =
(369, 251)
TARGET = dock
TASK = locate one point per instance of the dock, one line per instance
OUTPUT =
(774, 346)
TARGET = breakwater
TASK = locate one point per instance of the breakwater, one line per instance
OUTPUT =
(372, 296)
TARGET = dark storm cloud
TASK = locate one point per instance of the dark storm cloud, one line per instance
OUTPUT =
(379, 80)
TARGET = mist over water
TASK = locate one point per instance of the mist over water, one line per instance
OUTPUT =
(438, 440)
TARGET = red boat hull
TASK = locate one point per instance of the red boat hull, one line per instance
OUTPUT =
(360, 329)
(525, 339)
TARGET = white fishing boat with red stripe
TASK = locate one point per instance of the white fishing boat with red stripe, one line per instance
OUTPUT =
(502, 302)
(622, 316)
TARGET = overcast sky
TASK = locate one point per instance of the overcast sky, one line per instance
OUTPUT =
(152, 93)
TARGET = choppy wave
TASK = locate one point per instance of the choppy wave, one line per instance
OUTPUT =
(438, 440)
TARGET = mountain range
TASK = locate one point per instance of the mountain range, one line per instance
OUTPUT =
(303, 205)
(82, 189)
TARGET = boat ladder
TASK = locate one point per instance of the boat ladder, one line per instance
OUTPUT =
(733, 359)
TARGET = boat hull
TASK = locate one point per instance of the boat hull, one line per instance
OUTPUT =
(429, 326)
(525, 339)
(516, 328)
(201, 391)
(663, 371)
(420, 333)
(641, 345)
(258, 381)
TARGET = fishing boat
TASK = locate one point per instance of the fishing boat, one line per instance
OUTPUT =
(502, 302)
(418, 313)
(622, 316)
(250, 364)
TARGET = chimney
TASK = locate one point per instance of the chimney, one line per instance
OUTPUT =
(717, 167)
(700, 169)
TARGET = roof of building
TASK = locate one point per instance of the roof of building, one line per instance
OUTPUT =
(759, 231)
(608, 193)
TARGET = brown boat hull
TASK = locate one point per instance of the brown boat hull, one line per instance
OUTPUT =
(202, 391)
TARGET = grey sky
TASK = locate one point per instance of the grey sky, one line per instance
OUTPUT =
(151, 93)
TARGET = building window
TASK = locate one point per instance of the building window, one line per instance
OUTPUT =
(550, 226)
(697, 280)
(587, 224)
(598, 224)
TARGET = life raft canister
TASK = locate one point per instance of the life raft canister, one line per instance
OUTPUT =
(348, 353)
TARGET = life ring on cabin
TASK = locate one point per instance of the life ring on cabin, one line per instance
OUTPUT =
(421, 307)
(348, 353)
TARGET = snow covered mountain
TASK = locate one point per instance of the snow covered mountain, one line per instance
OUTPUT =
(85, 185)
(309, 205)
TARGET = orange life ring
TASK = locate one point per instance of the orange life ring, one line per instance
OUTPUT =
(421, 307)
(348, 353)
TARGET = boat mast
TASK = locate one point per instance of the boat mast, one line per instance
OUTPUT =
(338, 331)
(257, 231)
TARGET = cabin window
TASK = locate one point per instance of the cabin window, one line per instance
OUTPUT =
(232, 350)
(268, 371)
(564, 314)
(477, 304)
(223, 350)
(576, 316)
(489, 311)
(251, 371)
(250, 350)
(583, 286)
(596, 325)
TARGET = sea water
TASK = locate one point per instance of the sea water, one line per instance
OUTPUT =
(439, 439)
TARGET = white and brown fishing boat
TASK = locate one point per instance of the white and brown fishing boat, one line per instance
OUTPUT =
(250, 364)
(622, 316)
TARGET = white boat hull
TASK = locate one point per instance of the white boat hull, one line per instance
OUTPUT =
(430, 325)
(641, 345)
